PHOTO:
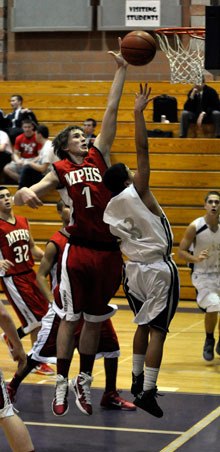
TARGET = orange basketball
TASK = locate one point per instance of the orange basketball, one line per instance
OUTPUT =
(138, 48)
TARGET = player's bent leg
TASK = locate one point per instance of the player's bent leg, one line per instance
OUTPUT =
(65, 349)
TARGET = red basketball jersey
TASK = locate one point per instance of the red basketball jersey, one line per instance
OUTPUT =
(88, 194)
(15, 245)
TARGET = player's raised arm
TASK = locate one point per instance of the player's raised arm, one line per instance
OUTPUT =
(108, 128)
(141, 178)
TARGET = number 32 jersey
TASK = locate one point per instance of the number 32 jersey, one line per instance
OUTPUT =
(15, 245)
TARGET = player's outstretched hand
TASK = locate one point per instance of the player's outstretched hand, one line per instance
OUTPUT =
(143, 97)
(118, 56)
(27, 196)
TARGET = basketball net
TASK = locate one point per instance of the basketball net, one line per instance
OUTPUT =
(186, 56)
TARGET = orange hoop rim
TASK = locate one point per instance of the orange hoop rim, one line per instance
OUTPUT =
(195, 32)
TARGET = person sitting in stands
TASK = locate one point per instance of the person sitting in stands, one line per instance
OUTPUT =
(89, 129)
(34, 171)
(202, 106)
(25, 151)
(14, 120)
(5, 150)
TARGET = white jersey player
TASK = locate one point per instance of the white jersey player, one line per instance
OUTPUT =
(150, 277)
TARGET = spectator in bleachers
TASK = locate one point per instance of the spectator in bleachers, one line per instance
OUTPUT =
(34, 171)
(5, 150)
(25, 150)
(202, 106)
(13, 121)
(2, 121)
(89, 126)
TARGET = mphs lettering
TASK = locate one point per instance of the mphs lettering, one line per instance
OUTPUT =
(83, 174)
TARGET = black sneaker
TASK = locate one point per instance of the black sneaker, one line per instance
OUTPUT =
(208, 350)
(137, 384)
(146, 400)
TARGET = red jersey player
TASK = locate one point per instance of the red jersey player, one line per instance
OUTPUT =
(44, 348)
(92, 263)
(17, 275)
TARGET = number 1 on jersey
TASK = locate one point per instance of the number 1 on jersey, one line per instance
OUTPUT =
(86, 192)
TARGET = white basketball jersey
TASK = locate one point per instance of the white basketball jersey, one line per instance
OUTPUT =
(145, 237)
(206, 239)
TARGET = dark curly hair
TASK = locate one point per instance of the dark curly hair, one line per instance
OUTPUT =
(115, 177)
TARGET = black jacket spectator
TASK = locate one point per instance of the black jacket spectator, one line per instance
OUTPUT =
(207, 101)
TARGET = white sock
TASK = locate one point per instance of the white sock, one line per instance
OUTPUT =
(138, 364)
(150, 378)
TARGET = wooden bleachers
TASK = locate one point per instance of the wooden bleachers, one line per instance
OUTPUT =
(61, 103)
(182, 170)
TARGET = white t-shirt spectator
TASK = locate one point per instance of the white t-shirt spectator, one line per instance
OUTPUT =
(46, 155)
(5, 142)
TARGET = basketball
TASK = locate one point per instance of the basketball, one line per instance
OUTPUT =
(138, 48)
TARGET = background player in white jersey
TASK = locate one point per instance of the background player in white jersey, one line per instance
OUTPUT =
(151, 279)
(200, 246)
(13, 427)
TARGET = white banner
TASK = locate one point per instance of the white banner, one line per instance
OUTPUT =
(142, 13)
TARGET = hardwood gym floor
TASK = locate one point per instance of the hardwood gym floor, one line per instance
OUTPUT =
(190, 388)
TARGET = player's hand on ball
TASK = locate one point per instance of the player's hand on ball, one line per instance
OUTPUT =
(118, 56)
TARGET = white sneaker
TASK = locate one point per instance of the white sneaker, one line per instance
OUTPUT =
(60, 403)
(81, 388)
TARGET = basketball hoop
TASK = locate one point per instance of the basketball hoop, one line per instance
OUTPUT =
(186, 56)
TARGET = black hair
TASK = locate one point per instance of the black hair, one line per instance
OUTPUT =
(19, 97)
(212, 192)
(43, 130)
(2, 187)
(27, 121)
(115, 177)
(94, 122)
(60, 142)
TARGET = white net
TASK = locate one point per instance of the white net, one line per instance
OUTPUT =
(186, 57)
